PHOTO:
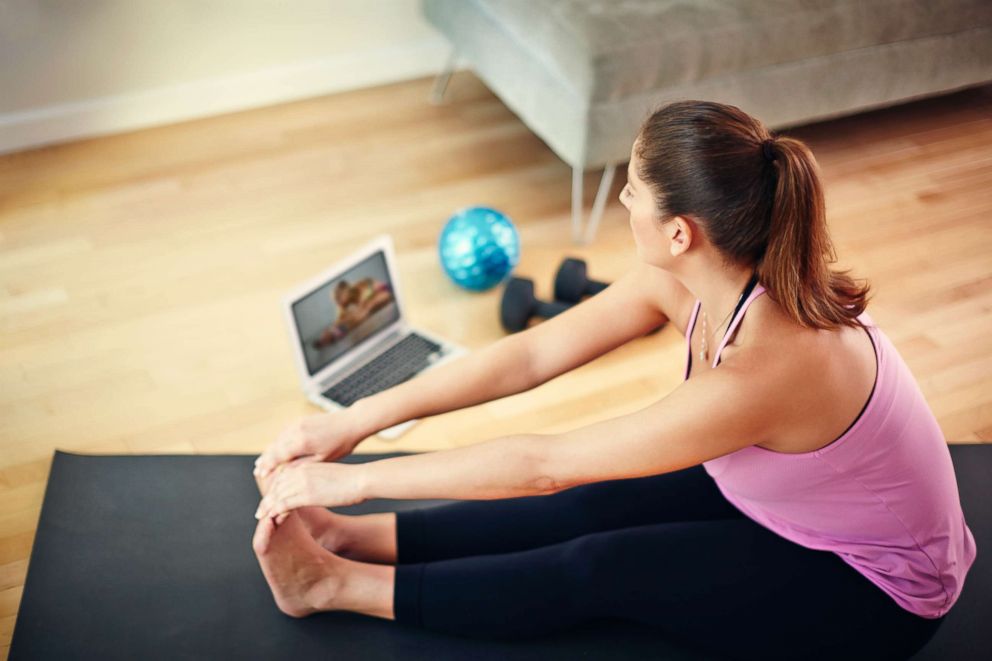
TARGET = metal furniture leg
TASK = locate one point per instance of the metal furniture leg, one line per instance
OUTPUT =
(597, 207)
(441, 82)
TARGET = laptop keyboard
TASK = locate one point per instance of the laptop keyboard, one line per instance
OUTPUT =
(397, 364)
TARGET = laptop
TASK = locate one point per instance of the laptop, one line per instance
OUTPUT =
(350, 335)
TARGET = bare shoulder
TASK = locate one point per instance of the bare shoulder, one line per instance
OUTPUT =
(768, 335)
(767, 331)
(767, 339)
(817, 380)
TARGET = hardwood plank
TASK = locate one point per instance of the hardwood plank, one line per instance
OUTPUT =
(141, 274)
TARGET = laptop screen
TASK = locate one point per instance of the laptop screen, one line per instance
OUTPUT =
(345, 312)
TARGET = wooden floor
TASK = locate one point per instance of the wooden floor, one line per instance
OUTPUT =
(141, 274)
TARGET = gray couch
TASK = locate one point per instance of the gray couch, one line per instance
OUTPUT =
(584, 74)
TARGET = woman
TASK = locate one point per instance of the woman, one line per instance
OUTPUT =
(793, 498)
(355, 304)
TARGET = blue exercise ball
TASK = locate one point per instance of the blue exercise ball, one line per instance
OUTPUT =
(479, 247)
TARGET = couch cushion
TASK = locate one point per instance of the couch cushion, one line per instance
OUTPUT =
(610, 49)
(555, 63)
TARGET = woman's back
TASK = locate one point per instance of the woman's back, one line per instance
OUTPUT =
(882, 495)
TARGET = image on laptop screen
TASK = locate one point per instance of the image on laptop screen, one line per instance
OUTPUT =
(344, 312)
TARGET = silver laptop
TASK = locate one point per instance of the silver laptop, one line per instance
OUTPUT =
(350, 335)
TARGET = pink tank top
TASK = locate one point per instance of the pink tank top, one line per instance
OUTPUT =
(882, 496)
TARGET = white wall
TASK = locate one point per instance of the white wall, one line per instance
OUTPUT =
(75, 68)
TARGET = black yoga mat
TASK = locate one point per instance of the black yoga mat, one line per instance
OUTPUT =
(149, 556)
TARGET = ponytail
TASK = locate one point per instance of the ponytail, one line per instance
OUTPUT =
(795, 265)
(758, 198)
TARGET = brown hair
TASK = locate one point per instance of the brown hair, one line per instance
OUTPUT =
(706, 160)
(348, 290)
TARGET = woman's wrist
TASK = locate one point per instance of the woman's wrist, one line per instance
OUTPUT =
(367, 419)
(363, 481)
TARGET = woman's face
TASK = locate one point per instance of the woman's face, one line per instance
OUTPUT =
(649, 236)
(342, 295)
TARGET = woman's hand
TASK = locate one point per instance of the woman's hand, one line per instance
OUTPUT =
(301, 484)
(319, 437)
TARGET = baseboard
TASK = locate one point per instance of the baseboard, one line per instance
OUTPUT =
(204, 98)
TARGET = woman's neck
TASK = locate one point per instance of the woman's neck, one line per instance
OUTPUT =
(719, 292)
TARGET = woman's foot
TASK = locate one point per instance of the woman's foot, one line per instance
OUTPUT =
(362, 537)
(324, 526)
(304, 578)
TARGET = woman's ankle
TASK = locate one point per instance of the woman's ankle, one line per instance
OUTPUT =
(368, 538)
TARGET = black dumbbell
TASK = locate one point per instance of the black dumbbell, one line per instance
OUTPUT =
(571, 282)
(519, 305)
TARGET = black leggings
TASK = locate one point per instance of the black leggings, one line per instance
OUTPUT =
(668, 551)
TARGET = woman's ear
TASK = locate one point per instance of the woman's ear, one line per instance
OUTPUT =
(680, 235)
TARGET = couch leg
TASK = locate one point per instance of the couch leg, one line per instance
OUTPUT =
(597, 207)
(441, 82)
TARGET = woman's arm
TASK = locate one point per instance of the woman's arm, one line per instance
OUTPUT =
(527, 359)
(498, 370)
(712, 414)
(504, 467)
(741, 403)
